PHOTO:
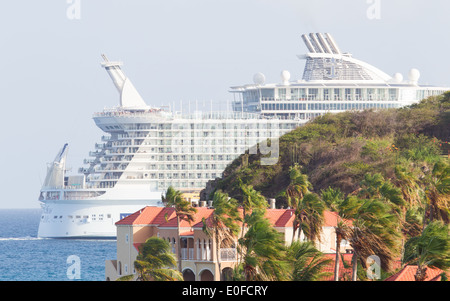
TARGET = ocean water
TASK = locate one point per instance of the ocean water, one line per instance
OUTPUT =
(25, 257)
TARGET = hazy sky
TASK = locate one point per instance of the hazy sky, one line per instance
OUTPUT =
(51, 81)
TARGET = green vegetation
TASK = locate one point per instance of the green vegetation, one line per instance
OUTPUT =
(155, 262)
(386, 170)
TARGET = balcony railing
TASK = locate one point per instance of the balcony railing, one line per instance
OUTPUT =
(228, 254)
(187, 254)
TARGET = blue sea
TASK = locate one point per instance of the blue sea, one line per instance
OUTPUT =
(25, 257)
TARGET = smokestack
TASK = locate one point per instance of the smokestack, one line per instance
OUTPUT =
(316, 43)
(272, 203)
(332, 43)
(308, 43)
(324, 43)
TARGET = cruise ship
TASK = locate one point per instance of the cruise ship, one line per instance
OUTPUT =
(143, 152)
(147, 149)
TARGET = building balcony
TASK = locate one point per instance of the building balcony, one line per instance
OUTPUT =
(228, 254)
(187, 254)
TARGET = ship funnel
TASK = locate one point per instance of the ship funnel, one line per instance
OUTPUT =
(321, 43)
(56, 170)
(308, 43)
(332, 43)
(129, 96)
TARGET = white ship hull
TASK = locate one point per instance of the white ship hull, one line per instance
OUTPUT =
(90, 218)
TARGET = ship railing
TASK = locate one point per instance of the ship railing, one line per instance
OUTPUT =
(114, 112)
(370, 97)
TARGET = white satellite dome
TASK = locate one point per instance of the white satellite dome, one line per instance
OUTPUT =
(414, 75)
(285, 76)
(259, 78)
(397, 78)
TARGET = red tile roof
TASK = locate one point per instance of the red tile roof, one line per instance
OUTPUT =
(408, 272)
(331, 219)
(280, 217)
(345, 273)
(188, 233)
(165, 217)
(137, 245)
(149, 215)
(202, 212)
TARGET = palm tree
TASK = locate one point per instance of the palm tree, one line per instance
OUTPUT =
(299, 184)
(437, 194)
(223, 224)
(345, 209)
(263, 250)
(373, 232)
(298, 187)
(406, 178)
(430, 249)
(332, 197)
(309, 213)
(183, 211)
(251, 199)
(342, 231)
(155, 261)
(370, 185)
(307, 262)
(375, 186)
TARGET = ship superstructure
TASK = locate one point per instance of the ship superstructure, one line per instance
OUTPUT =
(143, 152)
(332, 82)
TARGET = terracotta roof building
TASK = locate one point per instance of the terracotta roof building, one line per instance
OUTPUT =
(407, 274)
(198, 251)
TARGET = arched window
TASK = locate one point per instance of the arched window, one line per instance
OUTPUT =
(227, 274)
(206, 275)
(188, 275)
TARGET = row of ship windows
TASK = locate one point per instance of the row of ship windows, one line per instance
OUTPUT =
(180, 127)
(180, 150)
(170, 176)
(181, 158)
(214, 140)
(326, 106)
(188, 157)
(177, 184)
(182, 184)
(351, 94)
(182, 176)
(313, 93)
(207, 166)
(93, 217)
(200, 134)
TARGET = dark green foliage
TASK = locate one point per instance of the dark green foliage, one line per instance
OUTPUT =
(338, 150)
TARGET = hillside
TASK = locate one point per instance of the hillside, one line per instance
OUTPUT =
(337, 150)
